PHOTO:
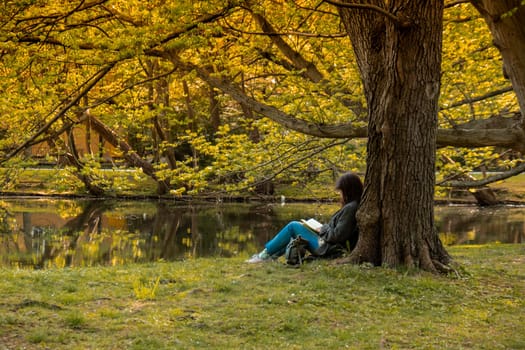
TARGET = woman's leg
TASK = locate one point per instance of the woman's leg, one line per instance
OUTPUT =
(277, 246)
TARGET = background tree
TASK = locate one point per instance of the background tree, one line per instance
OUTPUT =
(505, 20)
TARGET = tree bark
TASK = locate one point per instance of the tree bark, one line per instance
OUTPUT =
(215, 111)
(400, 69)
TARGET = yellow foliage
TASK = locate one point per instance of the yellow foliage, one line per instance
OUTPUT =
(52, 49)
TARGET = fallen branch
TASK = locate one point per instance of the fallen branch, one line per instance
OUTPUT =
(483, 182)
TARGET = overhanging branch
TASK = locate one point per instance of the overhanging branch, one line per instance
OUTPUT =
(510, 138)
(346, 130)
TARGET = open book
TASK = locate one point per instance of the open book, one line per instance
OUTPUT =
(312, 224)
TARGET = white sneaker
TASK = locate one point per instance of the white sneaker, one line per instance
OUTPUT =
(255, 259)
(259, 258)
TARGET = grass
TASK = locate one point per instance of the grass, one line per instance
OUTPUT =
(227, 304)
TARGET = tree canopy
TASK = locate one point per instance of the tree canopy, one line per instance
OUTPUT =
(224, 95)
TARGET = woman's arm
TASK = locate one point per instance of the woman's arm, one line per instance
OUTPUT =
(341, 225)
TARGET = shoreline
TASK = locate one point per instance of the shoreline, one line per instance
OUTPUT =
(229, 199)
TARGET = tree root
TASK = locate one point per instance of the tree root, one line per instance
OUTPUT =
(354, 258)
(445, 268)
(344, 260)
(36, 303)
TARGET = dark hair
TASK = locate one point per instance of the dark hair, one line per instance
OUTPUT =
(350, 186)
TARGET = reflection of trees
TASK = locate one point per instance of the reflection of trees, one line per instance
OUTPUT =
(238, 228)
(39, 245)
(196, 237)
(203, 230)
(8, 241)
(166, 223)
(167, 232)
(75, 233)
(485, 224)
(517, 232)
(171, 231)
(83, 226)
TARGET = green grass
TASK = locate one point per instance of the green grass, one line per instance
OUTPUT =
(227, 304)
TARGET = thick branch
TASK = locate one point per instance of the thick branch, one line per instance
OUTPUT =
(512, 138)
(300, 63)
(273, 113)
(505, 137)
(508, 121)
(298, 60)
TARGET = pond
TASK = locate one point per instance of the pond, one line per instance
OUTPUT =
(43, 233)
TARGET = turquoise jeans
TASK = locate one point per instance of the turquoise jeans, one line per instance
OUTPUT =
(277, 245)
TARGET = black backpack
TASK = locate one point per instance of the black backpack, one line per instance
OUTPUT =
(296, 251)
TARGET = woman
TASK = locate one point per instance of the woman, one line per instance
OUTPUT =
(333, 236)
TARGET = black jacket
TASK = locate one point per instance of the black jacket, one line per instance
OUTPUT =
(341, 228)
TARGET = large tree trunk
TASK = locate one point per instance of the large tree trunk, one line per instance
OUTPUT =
(399, 62)
(506, 19)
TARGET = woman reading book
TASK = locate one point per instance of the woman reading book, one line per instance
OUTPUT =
(341, 231)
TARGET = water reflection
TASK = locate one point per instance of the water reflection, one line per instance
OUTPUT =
(44, 233)
(475, 225)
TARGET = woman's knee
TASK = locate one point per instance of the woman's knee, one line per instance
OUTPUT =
(295, 224)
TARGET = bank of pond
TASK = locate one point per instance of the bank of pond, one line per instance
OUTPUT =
(42, 232)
